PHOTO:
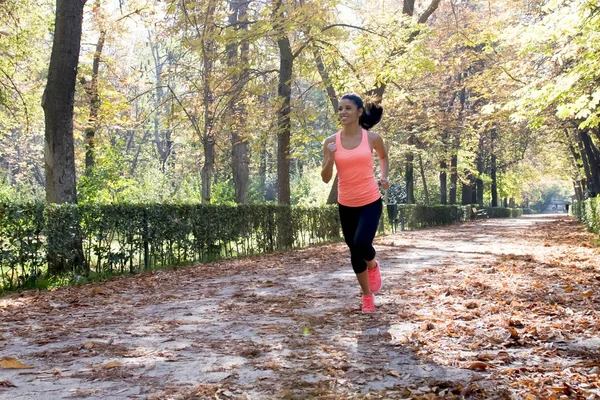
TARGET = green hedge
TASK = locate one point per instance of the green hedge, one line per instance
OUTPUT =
(586, 212)
(40, 240)
(413, 216)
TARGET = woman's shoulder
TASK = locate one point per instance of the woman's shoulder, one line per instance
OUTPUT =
(331, 138)
(373, 136)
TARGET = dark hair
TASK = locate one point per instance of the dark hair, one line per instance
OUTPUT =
(371, 112)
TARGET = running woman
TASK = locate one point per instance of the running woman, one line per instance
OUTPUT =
(359, 199)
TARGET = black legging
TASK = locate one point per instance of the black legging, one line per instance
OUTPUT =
(359, 225)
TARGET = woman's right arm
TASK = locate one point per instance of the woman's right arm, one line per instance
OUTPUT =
(328, 159)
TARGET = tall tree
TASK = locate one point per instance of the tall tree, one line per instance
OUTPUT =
(209, 48)
(58, 103)
(237, 60)
(92, 90)
(58, 100)
(284, 91)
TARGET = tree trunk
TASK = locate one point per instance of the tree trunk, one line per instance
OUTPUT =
(494, 182)
(208, 139)
(58, 102)
(59, 154)
(443, 182)
(284, 90)
(467, 191)
(90, 131)
(240, 159)
(453, 178)
(425, 191)
(579, 183)
(163, 146)
(591, 151)
(409, 179)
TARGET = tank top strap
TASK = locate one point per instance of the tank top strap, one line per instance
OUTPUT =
(365, 140)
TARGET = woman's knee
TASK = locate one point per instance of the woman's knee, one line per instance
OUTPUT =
(364, 251)
(359, 265)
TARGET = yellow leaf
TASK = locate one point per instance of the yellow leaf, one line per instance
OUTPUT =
(88, 345)
(112, 364)
(13, 363)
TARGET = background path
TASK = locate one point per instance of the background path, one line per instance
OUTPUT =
(501, 308)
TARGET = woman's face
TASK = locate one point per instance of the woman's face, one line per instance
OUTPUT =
(348, 112)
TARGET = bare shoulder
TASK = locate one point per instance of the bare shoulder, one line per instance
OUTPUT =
(330, 139)
(373, 135)
(374, 138)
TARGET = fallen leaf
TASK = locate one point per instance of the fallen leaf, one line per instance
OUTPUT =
(13, 363)
(478, 366)
(89, 345)
(112, 364)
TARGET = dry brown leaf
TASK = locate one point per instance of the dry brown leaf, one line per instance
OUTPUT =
(100, 291)
(13, 363)
(478, 366)
(112, 364)
(89, 345)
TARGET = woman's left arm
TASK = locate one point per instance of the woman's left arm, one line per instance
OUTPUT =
(384, 163)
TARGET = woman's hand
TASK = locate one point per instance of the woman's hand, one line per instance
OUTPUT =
(329, 150)
(385, 183)
(331, 147)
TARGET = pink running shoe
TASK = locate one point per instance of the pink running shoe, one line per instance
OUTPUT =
(368, 303)
(374, 278)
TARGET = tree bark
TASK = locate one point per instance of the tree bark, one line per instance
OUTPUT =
(90, 131)
(59, 153)
(478, 193)
(454, 174)
(494, 181)
(443, 182)
(425, 191)
(579, 183)
(58, 103)
(284, 91)
(467, 190)
(593, 161)
(240, 158)
(208, 139)
(409, 178)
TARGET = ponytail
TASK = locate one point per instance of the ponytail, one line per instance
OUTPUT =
(371, 112)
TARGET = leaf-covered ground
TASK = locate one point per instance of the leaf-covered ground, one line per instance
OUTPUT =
(489, 309)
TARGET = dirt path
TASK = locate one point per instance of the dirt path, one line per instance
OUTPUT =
(488, 309)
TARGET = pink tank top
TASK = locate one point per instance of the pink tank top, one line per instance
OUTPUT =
(356, 179)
